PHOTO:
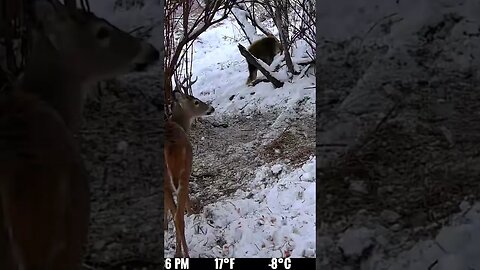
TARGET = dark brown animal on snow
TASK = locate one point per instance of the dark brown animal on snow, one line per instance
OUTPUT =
(264, 49)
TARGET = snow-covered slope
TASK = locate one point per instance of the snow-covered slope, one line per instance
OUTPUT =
(397, 23)
(273, 217)
(456, 247)
(222, 72)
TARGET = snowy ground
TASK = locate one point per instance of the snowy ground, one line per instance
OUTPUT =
(456, 247)
(273, 217)
(251, 207)
(399, 134)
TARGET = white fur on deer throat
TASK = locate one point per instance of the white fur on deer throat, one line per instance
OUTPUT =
(189, 119)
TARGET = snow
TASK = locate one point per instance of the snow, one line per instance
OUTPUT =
(456, 247)
(275, 217)
(355, 241)
(250, 30)
(362, 19)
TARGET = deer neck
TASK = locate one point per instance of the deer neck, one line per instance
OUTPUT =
(52, 80)
(182, 119)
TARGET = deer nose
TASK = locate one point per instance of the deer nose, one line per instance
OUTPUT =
(210, 110)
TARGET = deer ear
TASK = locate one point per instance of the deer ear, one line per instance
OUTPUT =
(177, 95)
(48, 12)
(49, 15)
(43, 10)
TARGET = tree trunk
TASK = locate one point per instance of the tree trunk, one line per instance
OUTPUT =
(282, 26)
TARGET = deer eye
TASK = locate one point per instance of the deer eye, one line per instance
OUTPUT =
(196, 102)
(103, 33)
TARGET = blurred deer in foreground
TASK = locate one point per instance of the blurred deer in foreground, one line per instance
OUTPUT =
(178, 162)
(44, 191)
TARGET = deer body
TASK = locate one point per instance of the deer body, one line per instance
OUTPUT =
(50, 84)
(178, 163)
(44, 191)
(43, 188)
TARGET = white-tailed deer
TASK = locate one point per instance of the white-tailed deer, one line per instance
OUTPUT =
(44, 190)
(178, 162)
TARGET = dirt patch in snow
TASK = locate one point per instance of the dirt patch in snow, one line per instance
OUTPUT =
(228, 150)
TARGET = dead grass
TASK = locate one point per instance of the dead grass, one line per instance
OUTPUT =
(297, 149)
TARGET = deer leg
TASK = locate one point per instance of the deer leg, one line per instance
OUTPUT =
(180, 219)
(252, 73)
(179, 231)
(169, 205)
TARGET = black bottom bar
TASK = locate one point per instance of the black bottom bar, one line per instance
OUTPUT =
(240, 264)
